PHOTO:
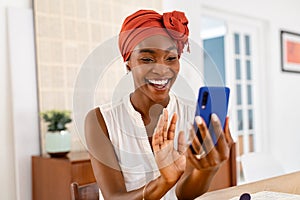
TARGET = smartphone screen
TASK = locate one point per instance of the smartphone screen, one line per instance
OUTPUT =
(212, 100)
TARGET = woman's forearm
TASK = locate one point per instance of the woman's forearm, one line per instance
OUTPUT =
(153, 190)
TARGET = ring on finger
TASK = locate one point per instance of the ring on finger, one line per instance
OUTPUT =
(200, 155)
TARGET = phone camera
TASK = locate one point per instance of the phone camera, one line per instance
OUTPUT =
(204, 100)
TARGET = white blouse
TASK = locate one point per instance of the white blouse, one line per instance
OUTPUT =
(128, 135)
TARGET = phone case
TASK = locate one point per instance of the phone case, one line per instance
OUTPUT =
(212, 100)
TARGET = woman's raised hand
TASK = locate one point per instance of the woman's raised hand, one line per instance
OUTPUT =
(209, 155)
(171, 162)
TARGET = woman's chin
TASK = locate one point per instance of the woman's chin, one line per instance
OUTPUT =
(161, 98)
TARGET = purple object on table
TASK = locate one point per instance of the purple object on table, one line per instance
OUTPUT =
(245, 196)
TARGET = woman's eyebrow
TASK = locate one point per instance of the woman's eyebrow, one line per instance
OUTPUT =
(146, 51)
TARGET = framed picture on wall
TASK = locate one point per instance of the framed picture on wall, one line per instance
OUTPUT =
(290, 51)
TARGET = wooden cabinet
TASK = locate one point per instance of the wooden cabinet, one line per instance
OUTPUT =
(51, 177)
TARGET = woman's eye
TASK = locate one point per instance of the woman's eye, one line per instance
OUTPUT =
(172, 58)
(147, 60)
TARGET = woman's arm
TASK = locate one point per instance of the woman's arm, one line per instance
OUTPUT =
(200, 171)
(112, 185)
(106, 167)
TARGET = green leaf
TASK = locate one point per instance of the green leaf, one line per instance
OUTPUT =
(56, 119)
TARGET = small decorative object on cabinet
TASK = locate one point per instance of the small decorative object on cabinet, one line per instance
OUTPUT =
(57, 138)
(52, 177)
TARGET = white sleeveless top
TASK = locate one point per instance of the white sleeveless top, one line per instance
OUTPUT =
(128, 135)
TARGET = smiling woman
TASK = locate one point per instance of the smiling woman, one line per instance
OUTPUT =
(138, 143)
(154, 64)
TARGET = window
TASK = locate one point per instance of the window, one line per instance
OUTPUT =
(244, 84)
(244, 55)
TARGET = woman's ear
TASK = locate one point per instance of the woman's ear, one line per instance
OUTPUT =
(128, 66)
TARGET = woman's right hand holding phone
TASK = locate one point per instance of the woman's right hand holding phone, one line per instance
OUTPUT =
(202, 166)
(210, 156)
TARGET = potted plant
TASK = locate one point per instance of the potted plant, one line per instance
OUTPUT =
(57, 138)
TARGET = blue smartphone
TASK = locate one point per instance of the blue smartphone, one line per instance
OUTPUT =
(212, 100)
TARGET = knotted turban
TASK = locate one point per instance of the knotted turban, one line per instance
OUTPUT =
(146, 23)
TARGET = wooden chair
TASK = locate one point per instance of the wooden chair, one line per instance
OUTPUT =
(226, 175)
(84, 192)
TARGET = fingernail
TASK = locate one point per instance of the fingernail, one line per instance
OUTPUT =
(198, 120)
(165, 111)
(160, 117)
(214, 117)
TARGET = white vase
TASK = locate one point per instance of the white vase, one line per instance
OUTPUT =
(58, 144)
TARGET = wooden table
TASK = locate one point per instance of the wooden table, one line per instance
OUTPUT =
(289, 183)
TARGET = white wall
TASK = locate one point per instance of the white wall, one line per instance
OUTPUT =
(7, 175)
(24, 96)
(282, 96)
(19, 138)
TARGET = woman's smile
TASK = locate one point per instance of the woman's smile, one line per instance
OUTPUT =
(159, 84)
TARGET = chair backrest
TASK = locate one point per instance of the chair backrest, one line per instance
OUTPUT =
(226, 175)
(84, 192)
(257, 166)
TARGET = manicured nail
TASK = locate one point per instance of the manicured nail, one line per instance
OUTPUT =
(214, 117)
(198, 120)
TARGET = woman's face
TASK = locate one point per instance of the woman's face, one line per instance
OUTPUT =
(154, 64)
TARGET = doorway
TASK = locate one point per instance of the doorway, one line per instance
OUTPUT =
(233, 43)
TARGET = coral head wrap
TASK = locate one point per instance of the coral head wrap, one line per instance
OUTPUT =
(146, 23)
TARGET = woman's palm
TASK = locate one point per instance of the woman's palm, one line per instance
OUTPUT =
(171, 162)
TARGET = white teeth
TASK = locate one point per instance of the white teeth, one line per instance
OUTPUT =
(159, 82)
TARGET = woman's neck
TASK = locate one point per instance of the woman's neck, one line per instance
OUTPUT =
(148, 109)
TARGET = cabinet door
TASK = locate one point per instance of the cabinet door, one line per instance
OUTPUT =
(82, 172)
(51, 179)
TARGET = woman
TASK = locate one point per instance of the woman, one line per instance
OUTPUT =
(137, 145)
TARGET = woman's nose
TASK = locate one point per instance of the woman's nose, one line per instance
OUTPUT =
(160, 69)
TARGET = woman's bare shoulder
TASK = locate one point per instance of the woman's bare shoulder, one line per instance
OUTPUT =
(94, 121)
